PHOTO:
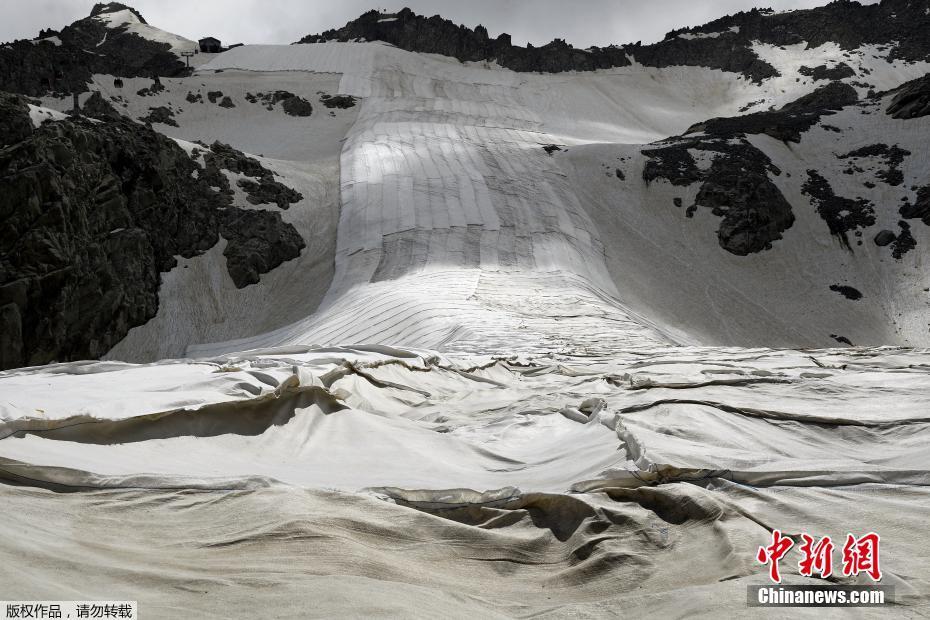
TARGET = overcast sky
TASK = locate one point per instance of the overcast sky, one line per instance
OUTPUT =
(580, 22)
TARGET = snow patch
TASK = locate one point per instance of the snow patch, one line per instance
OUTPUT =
(40, 115)
(130, 22)
(54, 40)
(706, 35)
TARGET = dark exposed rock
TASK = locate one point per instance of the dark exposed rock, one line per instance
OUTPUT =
(297, 106)
(884, 237)
(902, 24)
(15, 124)
(269, 100)
(920, 208)
(550, 149)
(619, 174)
(290, 103)
(226, 157)
(192, 98)
(893, 156)
(905, 241)
(266, 191)
(837, 72)
(88, 47)
(901, 243)
(440, 36)
(269, 191)
(161, 114)
(11, 333)
(725, 43)
(98, 107)
(338, 101)
(90, 214)
(113, 7)
(673, 163)
(841, 339)
(788, 122)
(226, 103)
(846, 291)
(729, 51)
(258, 241)
(751, 105)
(912, 99)
(840, 213)
(151, 91)
(736, 187)
(214, 95)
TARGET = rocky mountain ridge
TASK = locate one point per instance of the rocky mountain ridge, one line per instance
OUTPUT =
(63, 62)
(725, 43)
(67, 293)
(92, 211)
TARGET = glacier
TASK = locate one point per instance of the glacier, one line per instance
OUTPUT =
(502, 379)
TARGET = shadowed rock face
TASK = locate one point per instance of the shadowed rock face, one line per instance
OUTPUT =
(87, 47)
(920, 208)
(842, 215)
(912, 99)
(98, 107)
(265, 190)
(892, 156)
(160, 114)
(788, 122)
(90, 214)
(848, 292)
(823, 72)
(338, 101)
(737, 186)
(257, 242)
(297, 106)
(290, 103)
(724, 44)
(113, 7)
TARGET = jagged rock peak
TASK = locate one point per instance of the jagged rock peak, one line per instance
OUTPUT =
(726, 43)
(113, 7)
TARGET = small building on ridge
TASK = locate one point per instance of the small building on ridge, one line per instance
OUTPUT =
(209, 45)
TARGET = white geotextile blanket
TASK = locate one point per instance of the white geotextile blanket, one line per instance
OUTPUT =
(410, 483)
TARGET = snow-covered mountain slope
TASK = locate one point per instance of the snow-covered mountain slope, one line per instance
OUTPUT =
(451, 337)
(442, 178)
(445, 180)
(129, 21)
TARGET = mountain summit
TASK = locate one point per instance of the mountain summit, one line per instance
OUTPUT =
(114, 40)
(115, 7)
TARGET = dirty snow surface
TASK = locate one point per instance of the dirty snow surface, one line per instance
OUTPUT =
(501, 381)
